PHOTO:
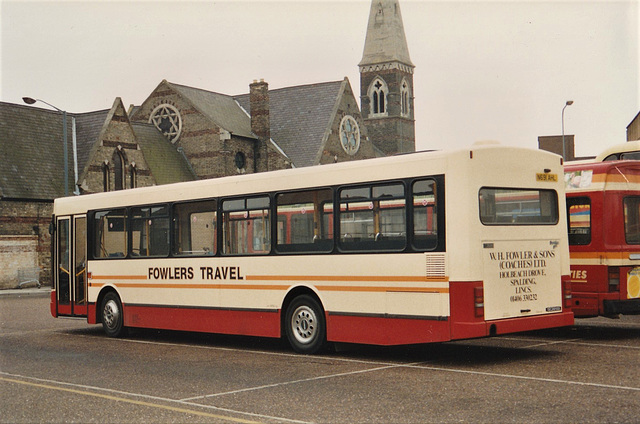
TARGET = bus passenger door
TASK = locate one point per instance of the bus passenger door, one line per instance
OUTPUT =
(63, 266)
(79, 288)
(70, 268)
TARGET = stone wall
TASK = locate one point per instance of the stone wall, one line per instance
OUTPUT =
(333, 151)
(393, 133)
(25, 243)
(117, 143)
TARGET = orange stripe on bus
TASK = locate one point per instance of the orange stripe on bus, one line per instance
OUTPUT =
(119, 277)
(279, 287)
(599, 255)
(384, 289)
(197, 286)
(410, 278)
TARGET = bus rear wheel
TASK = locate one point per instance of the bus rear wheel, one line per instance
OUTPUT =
(305, 325)
(111, 315)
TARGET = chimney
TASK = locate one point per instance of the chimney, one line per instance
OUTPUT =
(259, 100)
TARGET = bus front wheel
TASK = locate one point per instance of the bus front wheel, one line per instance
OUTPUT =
(305, 325)
(111, 314)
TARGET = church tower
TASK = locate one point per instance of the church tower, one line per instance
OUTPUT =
(386, 81)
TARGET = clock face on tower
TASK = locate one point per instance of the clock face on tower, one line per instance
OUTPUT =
(349, 135)
(167, 120)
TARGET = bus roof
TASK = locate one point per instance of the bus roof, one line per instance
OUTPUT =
(607, 175)
(365, 170)
(628, 147)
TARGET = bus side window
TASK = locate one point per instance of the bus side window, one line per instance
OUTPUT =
(110, 235)
(150, 231)
(194, 228)
(373, 218)
(302, 226)
(425, 215)
(246, 226)
(632, 219)
(579, 220)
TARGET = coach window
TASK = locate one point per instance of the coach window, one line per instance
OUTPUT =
(579, 220)
(507, 206)
(110, 234)
(150, 231)
(632, 219)
(302, 226)
(194, 227)
(373, 218)
(246, 226)
(425, 215)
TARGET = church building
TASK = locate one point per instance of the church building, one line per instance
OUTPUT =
(181, 133)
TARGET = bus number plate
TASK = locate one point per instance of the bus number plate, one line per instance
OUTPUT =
(553, 178)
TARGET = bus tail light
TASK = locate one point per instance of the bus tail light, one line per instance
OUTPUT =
(566, 293)
(478, 301)
(614, 279)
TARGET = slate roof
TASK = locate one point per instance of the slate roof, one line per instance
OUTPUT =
(166, 164)
(300, 117)
(31, 153)
(88, 128)
(220, 108)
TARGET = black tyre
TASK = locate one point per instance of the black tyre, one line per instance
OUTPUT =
(305, 325)
(111, 315)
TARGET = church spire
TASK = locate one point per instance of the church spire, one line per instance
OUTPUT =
(385, 41)
(386, 81)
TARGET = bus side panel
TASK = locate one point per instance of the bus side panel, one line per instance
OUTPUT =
(52, 305)
(92, 313)
(205, 320)
(385, 331)
(589, 285)
(464, 322)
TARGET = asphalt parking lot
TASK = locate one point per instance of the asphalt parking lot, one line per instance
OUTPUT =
(54, 370)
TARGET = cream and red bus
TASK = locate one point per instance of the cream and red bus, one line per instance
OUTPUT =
(603, 207)
(417, 248)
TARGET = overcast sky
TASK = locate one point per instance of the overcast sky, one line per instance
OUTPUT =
(484, 69)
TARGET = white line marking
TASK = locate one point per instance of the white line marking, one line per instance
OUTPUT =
(304, 380)
(383, 365)
(571, 341)
(149, 397)
(524, 377)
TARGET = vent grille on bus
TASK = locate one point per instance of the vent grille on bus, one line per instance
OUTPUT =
(436, 265)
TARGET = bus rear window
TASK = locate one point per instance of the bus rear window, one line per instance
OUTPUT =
(510, 206)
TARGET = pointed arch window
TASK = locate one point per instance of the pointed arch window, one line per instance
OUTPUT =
(133, 175)
(405, 105)
(119, 169)
(106, 183)
(378, 97)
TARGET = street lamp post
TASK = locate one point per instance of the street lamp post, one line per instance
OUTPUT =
(568, 103)
(30, 101)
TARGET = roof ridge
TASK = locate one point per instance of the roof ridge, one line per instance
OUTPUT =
(291, 87)
(197, 89)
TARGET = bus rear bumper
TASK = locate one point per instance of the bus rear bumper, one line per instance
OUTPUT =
(520, 324)
(470, 330)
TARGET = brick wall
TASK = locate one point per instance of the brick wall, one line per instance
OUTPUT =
(24, 240)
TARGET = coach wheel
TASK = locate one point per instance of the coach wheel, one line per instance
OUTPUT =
(112, 318)
(305, 325)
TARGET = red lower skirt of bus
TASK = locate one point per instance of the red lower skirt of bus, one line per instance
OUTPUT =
(364, 329)
(204, 320)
